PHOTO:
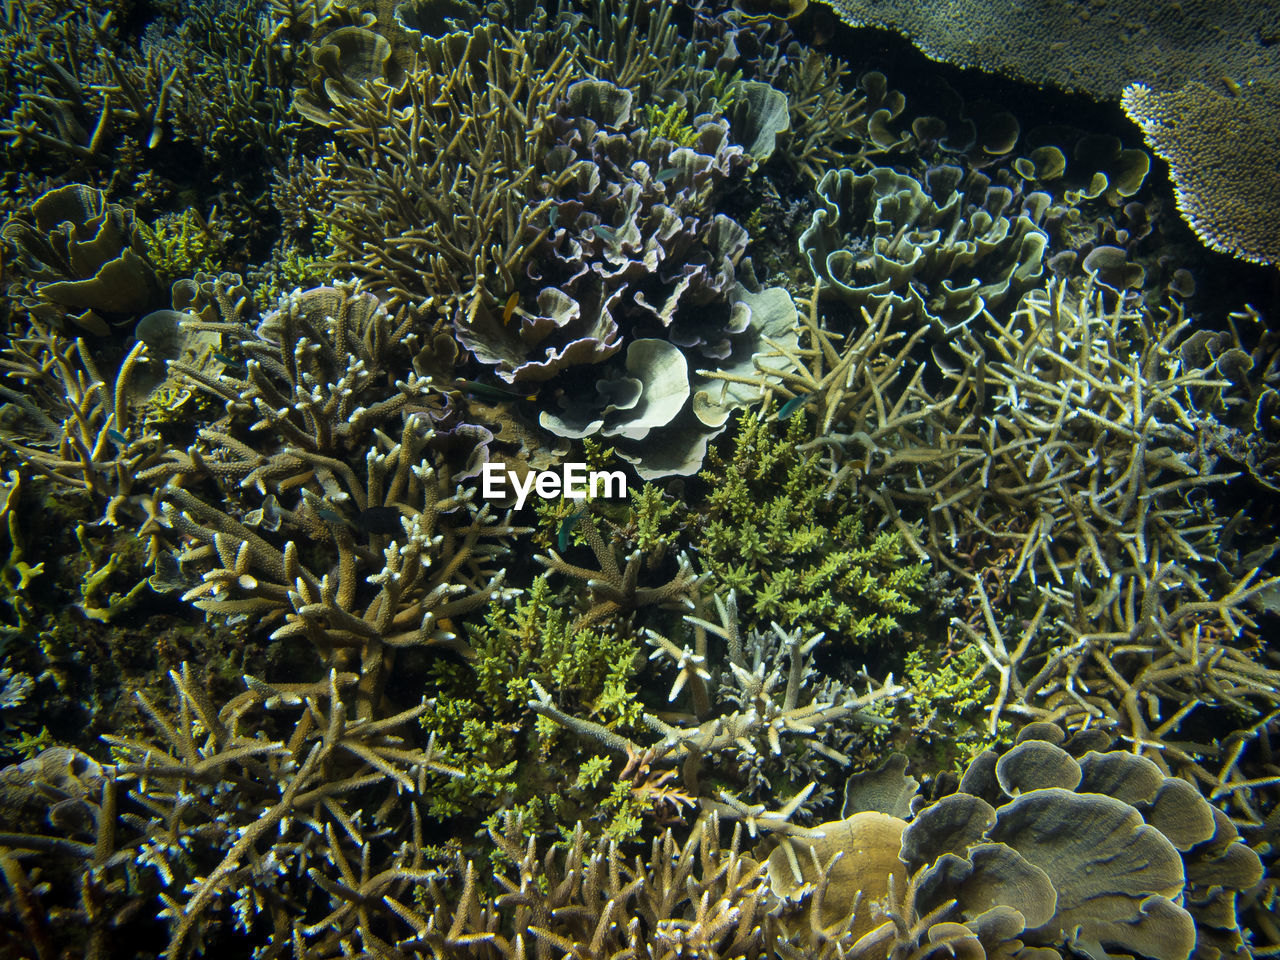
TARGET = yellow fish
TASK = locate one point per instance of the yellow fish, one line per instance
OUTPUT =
(513, 301)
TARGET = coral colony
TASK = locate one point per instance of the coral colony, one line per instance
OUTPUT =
(618, 479)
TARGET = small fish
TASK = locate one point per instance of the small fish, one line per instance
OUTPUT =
(483, 391)
(792, 405)
(553, 217)
(567, 525)
(513, 301)
(662, 176)
(225, 359)
(333, 517)
(118, 438)
(605, 233)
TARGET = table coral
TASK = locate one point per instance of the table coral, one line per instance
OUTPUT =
(1229, 203)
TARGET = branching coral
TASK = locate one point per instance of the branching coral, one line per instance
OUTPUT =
(75, 426)
(234, 817)
(430, 193)
(771, 534)
(407, 551)
(616, 588)
(754, 742)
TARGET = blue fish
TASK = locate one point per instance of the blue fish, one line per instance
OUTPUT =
(792, 405)
(567, 525)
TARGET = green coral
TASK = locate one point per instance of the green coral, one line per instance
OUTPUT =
(795, 555)
(480, 710)
(15, 573)
(944, 721)
(98, 600)
(671, 123)
(183, 244)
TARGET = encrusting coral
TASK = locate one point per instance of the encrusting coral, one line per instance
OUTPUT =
(1230, 208)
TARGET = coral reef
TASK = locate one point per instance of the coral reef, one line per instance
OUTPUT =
(1193, 63)
(932, 439)
(409, 551)
(83, 253)
(1064, 849)
(771, 534)
(1098, 54)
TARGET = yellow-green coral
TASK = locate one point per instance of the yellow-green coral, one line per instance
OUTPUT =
(792, 554)
(671, 123)
(99, 601)
(183, 244)
(480, 711)
(945, 718)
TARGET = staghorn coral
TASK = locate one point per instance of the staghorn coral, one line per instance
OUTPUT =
(230, 820)
(698, 897)
(831, 124)
(1096, 571)
(1216, 145)
(70, 423)
(442, 127)
(79, 92)
(616, 588)
(789, 721)
(407, 550)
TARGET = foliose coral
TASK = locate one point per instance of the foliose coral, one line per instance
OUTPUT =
(941, 249)
(1056, 845)
(82, 253)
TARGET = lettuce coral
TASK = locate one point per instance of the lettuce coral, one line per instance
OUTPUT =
(942, 249)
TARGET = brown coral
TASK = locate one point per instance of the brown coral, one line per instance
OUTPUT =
(1093, 47)
(1221, 150)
